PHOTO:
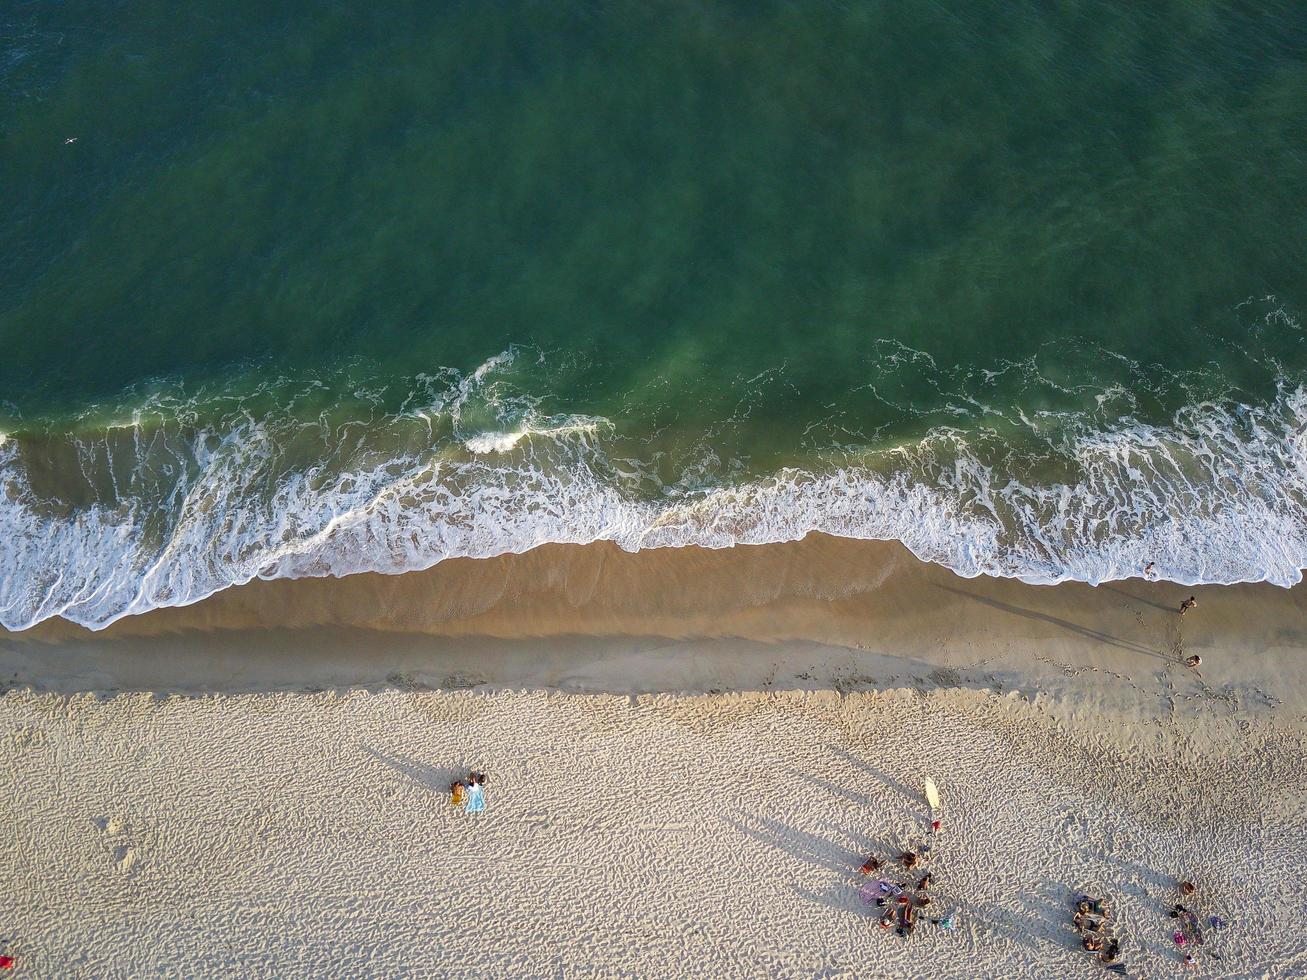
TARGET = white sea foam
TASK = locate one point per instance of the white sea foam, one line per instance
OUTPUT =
(494, 442)
(1217, 495)
(502, 442)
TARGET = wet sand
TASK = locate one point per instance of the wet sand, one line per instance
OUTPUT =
(823, 613)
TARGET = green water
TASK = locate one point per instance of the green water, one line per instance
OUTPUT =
(748, 236)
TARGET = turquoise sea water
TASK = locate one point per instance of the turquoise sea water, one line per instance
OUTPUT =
(318, 291)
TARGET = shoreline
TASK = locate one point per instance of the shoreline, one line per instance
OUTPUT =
(600, 589)
(690, 756)
(822, 613)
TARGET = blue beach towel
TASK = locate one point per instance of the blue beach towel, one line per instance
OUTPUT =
(476, 800)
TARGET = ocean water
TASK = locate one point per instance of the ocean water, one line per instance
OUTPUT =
(291, 291)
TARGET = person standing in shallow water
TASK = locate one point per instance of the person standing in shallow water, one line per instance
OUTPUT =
(1188, 604)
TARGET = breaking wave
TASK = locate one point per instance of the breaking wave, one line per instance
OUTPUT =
(186, 495)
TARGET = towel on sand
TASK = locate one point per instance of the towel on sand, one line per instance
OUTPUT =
(476, 800)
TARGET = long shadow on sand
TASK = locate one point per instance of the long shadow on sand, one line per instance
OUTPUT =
(1066, 624)
(434, 778)
(1140, 599)
(916, 796)
(1041, 917)
(831, 861)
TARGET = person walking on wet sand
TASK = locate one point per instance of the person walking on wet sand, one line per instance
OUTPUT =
(1188, 604)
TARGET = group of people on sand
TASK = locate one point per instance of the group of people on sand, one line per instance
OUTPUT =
(1094, 926)
(469, 793)
(1093, 923)
(902, 897)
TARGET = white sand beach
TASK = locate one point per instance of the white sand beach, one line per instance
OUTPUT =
(246, 822)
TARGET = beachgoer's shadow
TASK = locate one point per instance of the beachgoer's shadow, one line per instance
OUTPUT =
(838, 859)
(1052, 909)
(1140, 599)
(914, 803)
(858, 799)
(1088, 632)
(1041, 920)
(434, 778)
(813, 849)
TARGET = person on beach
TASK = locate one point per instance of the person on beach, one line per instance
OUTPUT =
(1193, 661)
(1092, 944)
(476, 800)
(457, 792)
(1188, 604)
(870, 865)
(1091, 906)
(475, 793)
(907, 921)
(909, 859)
(1148, 569)
(1187, 888)
(925, 880)
(1189, 926)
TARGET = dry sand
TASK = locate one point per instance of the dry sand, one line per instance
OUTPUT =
(250, 823)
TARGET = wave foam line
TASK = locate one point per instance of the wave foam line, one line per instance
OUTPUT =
(1217, 496)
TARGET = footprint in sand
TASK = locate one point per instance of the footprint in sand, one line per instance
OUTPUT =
(109, 825)
(124, 857)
